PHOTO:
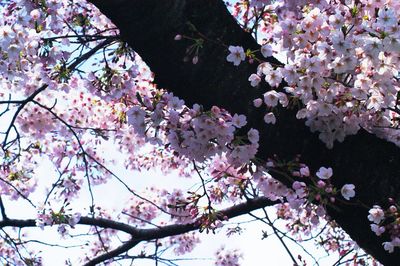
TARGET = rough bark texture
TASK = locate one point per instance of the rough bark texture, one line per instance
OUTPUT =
(149, 26)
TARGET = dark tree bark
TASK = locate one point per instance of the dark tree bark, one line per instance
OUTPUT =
(149, 26)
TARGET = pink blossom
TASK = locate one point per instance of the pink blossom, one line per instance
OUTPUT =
(74, 219)
(378, 230)
(305, 171)
(324, 173)
(226, 257)
(274, 77)
(236, 55)
(269, 118)
(388, 246)
(183, 243)
(347, 191)
(257, 102)
(321, 184)
(35, 14)
(376, 214)
(239, 120)
(386, 18)
(271, 98)
(253, 135)
(266, 50)
(254, 80)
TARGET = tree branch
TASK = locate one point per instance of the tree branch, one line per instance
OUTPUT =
(3, 210)
(139, 235)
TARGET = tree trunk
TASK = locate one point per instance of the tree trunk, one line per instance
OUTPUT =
(149, 26)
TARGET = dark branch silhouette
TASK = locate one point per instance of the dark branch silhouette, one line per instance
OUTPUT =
(140, 235)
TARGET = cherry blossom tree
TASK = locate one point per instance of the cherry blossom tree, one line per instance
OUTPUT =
(286, 104)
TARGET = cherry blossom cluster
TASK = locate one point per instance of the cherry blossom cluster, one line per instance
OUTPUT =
(229, 181)
(68, 119)
(334, 239)
(154, 202)
(386, 221)
(303, 206)
(69, 110)
(341, 64)
(310, 221)
(104, 240)
(307, 197)
(184, 243)
(318, 187)
(155, 205)
(183, 209)
(192, 132)
(192, 209)
(225, 257)
(9, 255)
(16, 179)
(49, 217)
(31, 52)
(140, 212)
